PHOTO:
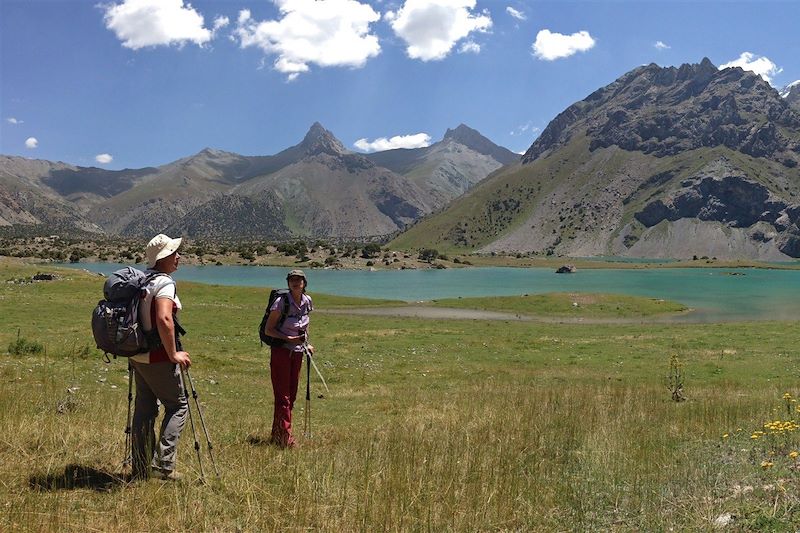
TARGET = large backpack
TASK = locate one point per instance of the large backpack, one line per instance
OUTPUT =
(115, 320)
(262, 333)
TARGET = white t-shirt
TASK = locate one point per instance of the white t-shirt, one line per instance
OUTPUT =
(162, 286)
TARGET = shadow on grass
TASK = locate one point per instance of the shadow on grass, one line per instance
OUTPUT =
(258, 440)
(77, 477)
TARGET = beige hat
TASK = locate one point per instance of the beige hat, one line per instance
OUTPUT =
(296, 272)
(160, 247)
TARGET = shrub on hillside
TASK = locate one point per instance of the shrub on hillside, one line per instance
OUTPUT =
(371, 250)
(428, 254)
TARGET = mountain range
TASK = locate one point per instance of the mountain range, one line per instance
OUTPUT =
(314, 189)
(663, 162)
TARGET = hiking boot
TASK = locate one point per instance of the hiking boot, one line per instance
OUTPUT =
(172, 475)
(167, 475)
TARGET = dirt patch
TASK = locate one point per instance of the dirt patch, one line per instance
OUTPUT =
(422, 311)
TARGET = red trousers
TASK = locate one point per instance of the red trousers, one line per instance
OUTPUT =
(285, 370)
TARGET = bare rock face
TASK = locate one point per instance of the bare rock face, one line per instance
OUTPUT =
(471, 138)
(719, 193)
(666, 111)
(318, 140)
(231, 216)
(663, 162)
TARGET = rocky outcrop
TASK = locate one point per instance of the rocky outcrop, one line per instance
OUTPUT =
(318, 140)
(733, 200)
(663, 162)
(721, 193)
(667, 111)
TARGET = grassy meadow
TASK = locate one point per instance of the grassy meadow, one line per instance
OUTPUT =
(429, 425)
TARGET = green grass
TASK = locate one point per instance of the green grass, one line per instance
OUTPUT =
(445, 425)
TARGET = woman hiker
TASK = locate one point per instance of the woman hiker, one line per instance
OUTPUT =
(157, 374)
(287, 358)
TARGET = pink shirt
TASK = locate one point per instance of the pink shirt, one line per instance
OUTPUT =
(296, 318)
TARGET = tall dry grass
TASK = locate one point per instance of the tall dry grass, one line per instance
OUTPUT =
(445, 426)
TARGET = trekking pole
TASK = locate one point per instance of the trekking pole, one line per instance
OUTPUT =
(316, 368)
(308, 394)
(191, 423)
(202, 422)
(128, 444)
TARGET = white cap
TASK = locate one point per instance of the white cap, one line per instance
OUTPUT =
(160, 247)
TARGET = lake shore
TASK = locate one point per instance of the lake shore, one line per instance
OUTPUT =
(319, 254)
(399, 260)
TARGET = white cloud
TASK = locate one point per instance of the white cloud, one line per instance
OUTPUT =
(220, 22)
(550, 46)
(12, 120)
(419, 140)
(661, 45)
(525, 128)
(470, 47)
(103, 159)
(761, 65)
(333, 33)
(431, 28)
(519, 15)
(142, 23)
(31, 142)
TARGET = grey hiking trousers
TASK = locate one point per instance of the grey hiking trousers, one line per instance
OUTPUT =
(157, 382)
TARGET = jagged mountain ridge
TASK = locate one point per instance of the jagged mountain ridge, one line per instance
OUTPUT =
(665, 111)
(450, 167)
(708, 149)
(328, 191)
(317, 188)
(26, 200)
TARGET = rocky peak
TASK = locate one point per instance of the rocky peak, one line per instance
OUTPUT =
(318, 140)
(464, 134)
(472, 139)
(665, 111)
(706, 67)
(207, 156)
(211, 153)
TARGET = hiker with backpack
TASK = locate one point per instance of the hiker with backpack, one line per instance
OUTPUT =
(287, 328)
(157, 373)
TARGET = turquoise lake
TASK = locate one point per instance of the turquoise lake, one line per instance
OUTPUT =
(714, 294)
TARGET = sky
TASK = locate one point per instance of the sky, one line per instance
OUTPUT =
(136, 83)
